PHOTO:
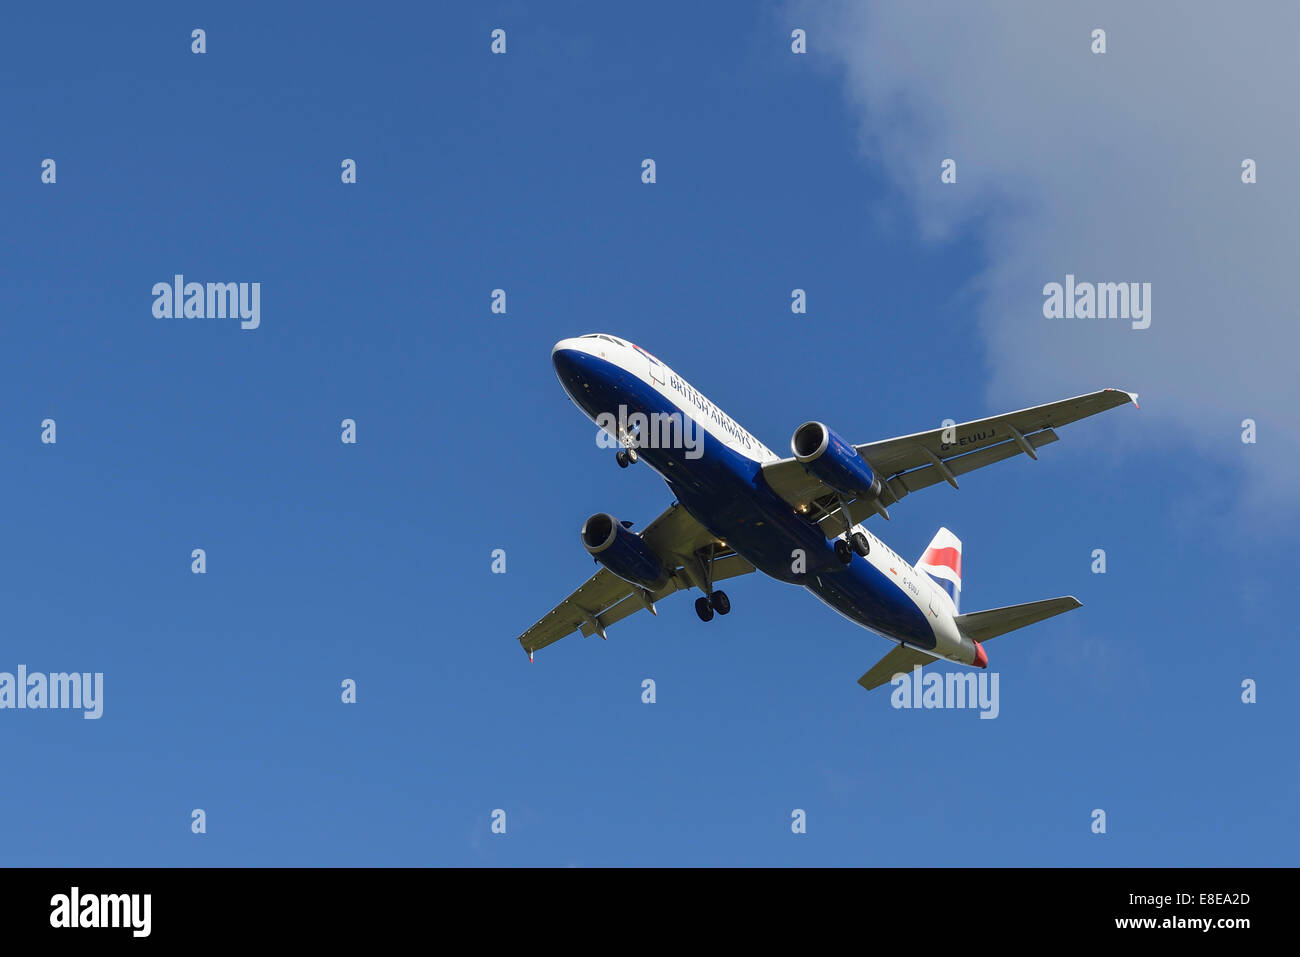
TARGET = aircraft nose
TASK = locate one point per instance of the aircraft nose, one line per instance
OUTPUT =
(565, 359)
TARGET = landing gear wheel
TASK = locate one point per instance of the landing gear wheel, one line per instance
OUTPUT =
(843, 551)
(720, 602)
(632, 457)
(622, 459)
(861, 544)
(704, 609)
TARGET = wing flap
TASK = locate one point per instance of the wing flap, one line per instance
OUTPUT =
(892, 456)
(600, 592)
(917, 479)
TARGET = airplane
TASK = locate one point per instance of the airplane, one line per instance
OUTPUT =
(740, 507)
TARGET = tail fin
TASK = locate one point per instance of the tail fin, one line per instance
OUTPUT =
(942, 562)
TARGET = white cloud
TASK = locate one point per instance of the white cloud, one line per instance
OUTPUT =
(1117, 167)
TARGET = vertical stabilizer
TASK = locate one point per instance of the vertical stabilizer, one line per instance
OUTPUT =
(942, 562)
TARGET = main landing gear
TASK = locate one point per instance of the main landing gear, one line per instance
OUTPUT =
(706, 606)
(852, 541)
(702, 577)
(856, 542)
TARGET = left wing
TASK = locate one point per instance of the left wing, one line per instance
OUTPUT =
(912, 462)
(685, 546)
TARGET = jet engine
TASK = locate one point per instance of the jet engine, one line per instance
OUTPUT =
(834, 461)
(623, 552)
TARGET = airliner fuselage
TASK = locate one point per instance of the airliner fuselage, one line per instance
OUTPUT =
(718, 477)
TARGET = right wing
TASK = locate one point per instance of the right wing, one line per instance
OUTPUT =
(909, 463)
(682, 544)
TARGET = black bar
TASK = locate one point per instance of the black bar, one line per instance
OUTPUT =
(865, 907)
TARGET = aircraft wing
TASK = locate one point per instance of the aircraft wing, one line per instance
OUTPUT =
(682, 543)
(911, 462)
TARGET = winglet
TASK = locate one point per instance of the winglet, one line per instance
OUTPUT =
(1133, 396)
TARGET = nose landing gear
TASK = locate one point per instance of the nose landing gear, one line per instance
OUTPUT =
(627, 454)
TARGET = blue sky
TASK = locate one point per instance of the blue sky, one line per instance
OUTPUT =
(373, 561)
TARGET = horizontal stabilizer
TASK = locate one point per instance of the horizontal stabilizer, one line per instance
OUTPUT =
(899, 661)
(983, 625)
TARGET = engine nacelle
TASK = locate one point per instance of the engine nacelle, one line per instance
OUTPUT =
(834, 461)
(623, 552)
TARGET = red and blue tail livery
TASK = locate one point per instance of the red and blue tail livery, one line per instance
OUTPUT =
(942, 562)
